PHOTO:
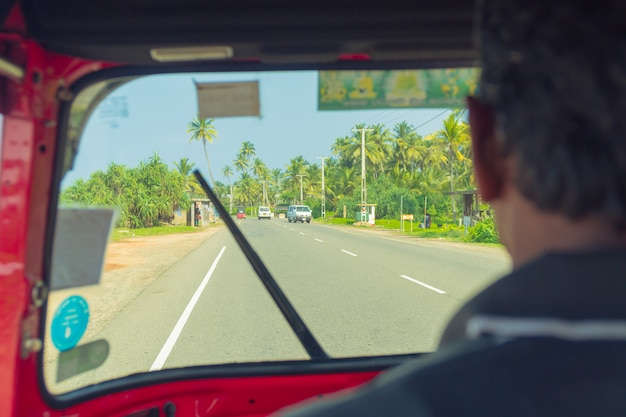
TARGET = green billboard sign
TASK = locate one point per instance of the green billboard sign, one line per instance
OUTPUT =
(357, 90)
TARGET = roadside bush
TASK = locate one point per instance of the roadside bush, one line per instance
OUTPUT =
(447, 231)
(484, 232)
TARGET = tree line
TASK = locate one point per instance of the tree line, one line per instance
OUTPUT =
(146, 195)
(399, 164)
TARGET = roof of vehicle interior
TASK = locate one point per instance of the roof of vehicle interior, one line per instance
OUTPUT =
(282, 31)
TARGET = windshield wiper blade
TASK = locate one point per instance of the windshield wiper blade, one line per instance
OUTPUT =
(308, 341)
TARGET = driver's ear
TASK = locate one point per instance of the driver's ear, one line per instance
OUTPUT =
(489, 166)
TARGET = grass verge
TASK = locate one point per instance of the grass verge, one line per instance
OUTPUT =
(123, 233)
(445, 232)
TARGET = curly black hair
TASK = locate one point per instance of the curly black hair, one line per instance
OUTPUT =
(554, 73)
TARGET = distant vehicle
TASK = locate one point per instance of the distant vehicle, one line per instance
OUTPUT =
(297, 213)
(264, 213)
(241, 213)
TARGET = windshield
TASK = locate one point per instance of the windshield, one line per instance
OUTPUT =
(396, 240)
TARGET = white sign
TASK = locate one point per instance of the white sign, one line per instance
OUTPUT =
(228, 99)
(81, 237)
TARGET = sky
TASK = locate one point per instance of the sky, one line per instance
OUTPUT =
(151, 115)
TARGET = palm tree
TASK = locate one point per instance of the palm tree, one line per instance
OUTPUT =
(276, 176)
(248, 189)
(259, 169)
(381, 149)
(343, 148)
(296, 167)
(408, 148)
(454, 141)
(344, 180)
(348, 148)
(241, 164)
(185, 168)
(204, 131)
(247, 150)
(227, 171)
(313, 183)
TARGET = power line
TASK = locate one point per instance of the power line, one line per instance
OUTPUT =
(430, 120)
(380, 118)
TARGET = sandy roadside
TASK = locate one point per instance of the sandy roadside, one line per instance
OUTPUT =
(130, 266)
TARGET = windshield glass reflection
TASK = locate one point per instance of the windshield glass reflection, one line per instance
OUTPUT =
(362, 208)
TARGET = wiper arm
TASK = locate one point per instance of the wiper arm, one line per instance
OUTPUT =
(308, 341)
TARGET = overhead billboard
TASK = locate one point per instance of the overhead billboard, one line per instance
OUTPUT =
(392, 89)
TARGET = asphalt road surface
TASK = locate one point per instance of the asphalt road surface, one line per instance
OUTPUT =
(360, 293)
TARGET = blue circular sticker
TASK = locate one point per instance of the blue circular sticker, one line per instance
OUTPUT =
(69, 322)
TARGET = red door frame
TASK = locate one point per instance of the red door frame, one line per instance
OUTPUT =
(30, 106)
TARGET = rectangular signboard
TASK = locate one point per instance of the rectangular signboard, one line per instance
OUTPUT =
(228, 99)
(432, 88)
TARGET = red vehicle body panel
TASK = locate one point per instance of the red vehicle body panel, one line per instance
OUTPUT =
(30, 108)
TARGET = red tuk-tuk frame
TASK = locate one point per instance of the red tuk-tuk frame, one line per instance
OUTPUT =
(36, 83)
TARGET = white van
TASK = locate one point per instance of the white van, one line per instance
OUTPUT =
(264, 213)
(297, 213)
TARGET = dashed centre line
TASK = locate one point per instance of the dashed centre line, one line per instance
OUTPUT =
(349, 253)
(303, 234)
(430, 287)
(319, 240)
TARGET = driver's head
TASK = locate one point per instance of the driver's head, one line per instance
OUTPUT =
(553, 86)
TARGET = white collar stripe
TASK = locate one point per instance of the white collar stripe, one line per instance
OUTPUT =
(515, 327)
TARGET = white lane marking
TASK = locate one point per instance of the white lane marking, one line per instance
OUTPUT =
(349, 253)
(303, 234)
(421, 244)
(319, 240)
(291, 228)
(158, 363)
(423, 285)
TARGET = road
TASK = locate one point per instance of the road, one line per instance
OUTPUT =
(360, 292)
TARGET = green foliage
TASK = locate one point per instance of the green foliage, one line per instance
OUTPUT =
(339, 221)
(447, 231)
(388, 223)
(484, 232)
(146, 195)
(399, 163)
(315, 206)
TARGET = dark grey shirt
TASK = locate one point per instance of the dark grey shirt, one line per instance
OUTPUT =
(547, 340)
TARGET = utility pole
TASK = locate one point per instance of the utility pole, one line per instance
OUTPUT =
(363, 184)
(230, 206)
(323, 187)
(264, 193)
(301, 197)
(401, 215)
